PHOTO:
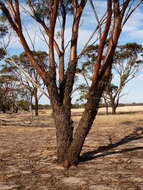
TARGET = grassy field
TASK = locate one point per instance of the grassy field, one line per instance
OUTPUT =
(122, 109)
(111, 158)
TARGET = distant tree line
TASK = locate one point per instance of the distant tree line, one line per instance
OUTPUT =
(16, 89)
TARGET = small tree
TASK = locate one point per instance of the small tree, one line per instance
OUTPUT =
(126, 66)
(59, 79)
(106, 98)
(23, 63)
(84, 72)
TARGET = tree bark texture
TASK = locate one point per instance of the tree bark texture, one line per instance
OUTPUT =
(64, 133)
(86, 122)
(62, 118)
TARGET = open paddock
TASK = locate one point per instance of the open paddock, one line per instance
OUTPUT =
(111, 159)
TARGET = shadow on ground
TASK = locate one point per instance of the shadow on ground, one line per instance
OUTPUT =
(103, 151)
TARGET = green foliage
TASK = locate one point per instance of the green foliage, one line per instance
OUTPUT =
(28, 85)
(132, 48)
(126, 65)
(10, 92)
(83, 90)
(2, 53)
(23, 104)
(2, 18)
(87, 66)
(42, 9)
(90, 50)
(90, 53)
(128, 51)
(23, 61)
(111, 88)
(3, 30)
(7, 69)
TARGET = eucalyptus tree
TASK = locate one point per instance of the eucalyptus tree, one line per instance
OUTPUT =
(23, 64)
(127, 64)
(59, 79)
(8, 89)
(3, 32)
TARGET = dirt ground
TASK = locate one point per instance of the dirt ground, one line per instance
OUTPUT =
(112, 156)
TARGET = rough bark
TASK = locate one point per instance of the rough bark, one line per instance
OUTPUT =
(62, 118)
(64, 133)
(86, 122)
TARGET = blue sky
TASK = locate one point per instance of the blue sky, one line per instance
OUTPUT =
(132, 32)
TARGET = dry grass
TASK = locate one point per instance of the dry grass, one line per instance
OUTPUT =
(111, 156)
(125, 109)
(122, 109)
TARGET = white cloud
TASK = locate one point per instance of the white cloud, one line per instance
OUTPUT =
(134, 27)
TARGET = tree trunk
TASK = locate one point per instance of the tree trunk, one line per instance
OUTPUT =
(30, 102)
(107, 110)
(106, 105)
(62, 118)
(64, 133)
(114, 107)
(85, 124)
(36, 102)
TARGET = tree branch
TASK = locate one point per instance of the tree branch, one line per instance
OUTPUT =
(70, 74)
(42, 23)
(22, 39)
(102, 41)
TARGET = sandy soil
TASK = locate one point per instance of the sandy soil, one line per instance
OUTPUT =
(112, 156)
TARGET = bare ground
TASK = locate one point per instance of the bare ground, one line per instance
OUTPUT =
(112, 157)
